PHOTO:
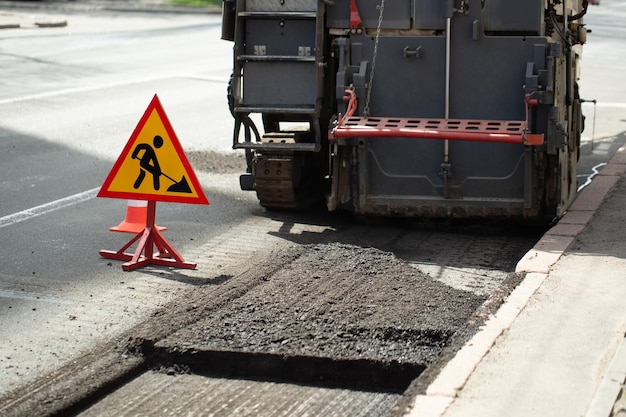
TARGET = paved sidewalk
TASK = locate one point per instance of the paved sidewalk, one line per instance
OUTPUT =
(556, 348)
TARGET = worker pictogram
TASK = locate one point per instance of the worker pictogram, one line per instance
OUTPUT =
(148, 162)
(152, 165)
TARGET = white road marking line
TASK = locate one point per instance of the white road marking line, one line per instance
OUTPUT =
(88, 88)
(21, 216)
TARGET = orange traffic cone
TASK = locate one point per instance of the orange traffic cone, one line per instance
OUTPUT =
(135, 221)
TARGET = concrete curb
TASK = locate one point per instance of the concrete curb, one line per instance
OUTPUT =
(35, 24)
(143, 6)
(13, 15)
(537, 262)
(611, 386)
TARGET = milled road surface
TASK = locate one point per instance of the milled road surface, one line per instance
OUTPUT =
(304, 306)
(154, 393)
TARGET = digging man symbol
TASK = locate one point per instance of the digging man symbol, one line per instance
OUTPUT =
(148, 162)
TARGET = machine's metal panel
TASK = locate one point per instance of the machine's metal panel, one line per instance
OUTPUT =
(281, 5)
(486, 170)
(487, 76)
(487, 82)
(402, 167)
(407, 86)
(429, 14)
(513, 16)
(396, 15)
(395, 166)
(280, 84)
(280, 37)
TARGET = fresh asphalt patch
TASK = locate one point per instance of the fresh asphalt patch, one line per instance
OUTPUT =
(337, 315)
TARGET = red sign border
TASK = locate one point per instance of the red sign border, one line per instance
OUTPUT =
(155, 105)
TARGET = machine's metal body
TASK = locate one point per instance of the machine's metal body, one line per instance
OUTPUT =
(439, 108)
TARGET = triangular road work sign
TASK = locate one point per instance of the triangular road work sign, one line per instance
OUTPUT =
(152, 165)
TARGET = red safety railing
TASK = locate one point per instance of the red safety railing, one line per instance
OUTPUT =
(496, 131)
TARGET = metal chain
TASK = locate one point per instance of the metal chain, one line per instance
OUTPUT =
(366, 110)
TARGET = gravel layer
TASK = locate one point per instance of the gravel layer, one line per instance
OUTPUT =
(337, 301)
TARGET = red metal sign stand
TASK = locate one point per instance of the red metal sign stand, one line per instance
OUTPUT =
(149, 238)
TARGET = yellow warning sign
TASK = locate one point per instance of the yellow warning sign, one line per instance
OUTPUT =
(152, 165)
